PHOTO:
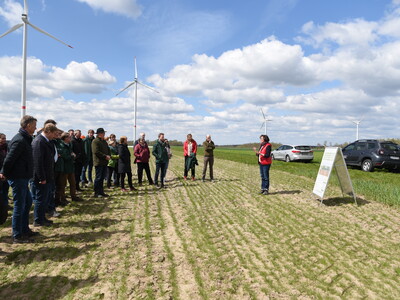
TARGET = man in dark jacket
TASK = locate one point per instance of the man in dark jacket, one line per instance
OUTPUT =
(101, 156)
(88, 164)
(161, 155)
(18, 169)
(78, 149)
(209, 147)
(43, 172)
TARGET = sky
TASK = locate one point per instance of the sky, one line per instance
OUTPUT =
(313, 67)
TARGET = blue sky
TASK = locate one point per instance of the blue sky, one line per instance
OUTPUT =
(313, 67)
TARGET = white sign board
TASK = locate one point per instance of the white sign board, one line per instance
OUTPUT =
(333, 158)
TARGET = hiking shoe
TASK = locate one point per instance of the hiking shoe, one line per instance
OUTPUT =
(185, 177)
(265, 192)
(44, 224)
(124, 190)
(22, 240)
(30, 233)
(105, 195)
(193, 179)
(98, 196)
(77, 199)
(133, 189)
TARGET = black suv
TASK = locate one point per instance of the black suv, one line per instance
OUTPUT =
(370, 154)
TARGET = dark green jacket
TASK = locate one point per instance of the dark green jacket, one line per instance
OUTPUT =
(100, 150)
(65, 162)
(160, 152)
(191, 162)
(87, 146)
(208, 148)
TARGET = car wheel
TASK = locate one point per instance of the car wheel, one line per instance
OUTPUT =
(367, 165)
(287, 158)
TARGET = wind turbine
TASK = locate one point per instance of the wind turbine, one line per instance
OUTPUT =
(265, 122)
(135, 82)
(357, 124)
(25, 23)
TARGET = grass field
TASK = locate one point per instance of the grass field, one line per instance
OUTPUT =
(212, 240)
(380, 185)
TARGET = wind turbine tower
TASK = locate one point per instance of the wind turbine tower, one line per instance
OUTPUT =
(357, 125)
(135, 82)
(25, 23)
(265, 122)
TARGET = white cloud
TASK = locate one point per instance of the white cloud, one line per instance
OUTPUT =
(128, 8)
(43, 81)
(11, 12)
(358, 32)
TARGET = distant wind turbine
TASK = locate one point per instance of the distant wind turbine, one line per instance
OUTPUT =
(357, 125)
(135, 82)
(25, 23)
(265, 122)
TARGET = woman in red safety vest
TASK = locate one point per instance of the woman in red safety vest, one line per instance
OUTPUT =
(265, 161)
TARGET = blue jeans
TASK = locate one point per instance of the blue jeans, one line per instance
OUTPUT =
(159, 166)
(264, 172)
(40, 194)
(22, 206)
(87, 167)
(101, 173)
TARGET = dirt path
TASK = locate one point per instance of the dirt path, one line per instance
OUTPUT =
(219, 240)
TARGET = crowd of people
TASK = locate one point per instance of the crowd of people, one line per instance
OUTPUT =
(38, 167)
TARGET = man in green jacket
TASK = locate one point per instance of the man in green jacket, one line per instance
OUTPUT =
(101, 156)
(209, 147)
(161, 155)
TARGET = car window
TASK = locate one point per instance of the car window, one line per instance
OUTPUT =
(389, 146)
(303, 147)
(288, 147)
(361, 146)
(371, 146)
(350, 147)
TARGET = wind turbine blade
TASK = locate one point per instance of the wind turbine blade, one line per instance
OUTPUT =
(12, 29)
(125, 88)
(48, 34)
(136, 75)
(262, 124)
(149, 87)
(262, 113)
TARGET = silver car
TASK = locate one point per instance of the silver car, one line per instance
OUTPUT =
(291, 153)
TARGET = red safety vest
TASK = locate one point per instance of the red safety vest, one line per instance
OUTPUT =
(261, 158)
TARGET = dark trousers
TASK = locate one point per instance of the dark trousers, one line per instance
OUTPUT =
(185, 173)
(61, 182)
(112, 173)
(51, 204)
(264, 172)
(78, 173)
(89, 168)
(4, 191)
(144, 166)
(40, 194)
(160, 170)
(22, 206)
(122, 177)
(208, 160)
(101, 172)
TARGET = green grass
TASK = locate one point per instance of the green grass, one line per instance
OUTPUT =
(380, 185)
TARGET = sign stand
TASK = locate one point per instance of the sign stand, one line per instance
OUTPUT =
(333, 158)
